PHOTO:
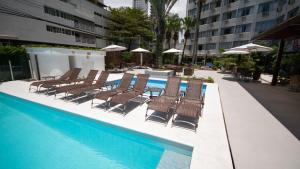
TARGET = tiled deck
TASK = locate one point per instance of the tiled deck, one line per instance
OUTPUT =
(257, 139)
(211, 150)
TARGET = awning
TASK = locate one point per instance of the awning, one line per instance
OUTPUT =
(287, 29)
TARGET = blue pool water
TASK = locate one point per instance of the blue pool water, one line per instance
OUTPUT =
(162, 84)
(35, 136)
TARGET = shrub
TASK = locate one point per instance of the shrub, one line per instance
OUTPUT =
(207, 80)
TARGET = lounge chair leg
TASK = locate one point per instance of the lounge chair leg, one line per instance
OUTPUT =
(124, 108)
(146, 115)
(92, 103)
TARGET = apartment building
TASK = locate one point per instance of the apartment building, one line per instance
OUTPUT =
(230, 23)
(140, 4)
(65, 22)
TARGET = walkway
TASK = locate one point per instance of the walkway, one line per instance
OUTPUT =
(257, 139)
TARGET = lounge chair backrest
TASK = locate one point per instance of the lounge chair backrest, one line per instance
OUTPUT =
(194, 89)
(125, 82)
(90, 77)
(102, 78)
(172, 87)
(74, 73)
(141, 83)
(66, 75)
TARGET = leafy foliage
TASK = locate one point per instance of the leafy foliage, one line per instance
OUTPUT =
(13, 53)
(129, 24)
(290, 65)
(126, 56)
(173, 24)
(161, 9)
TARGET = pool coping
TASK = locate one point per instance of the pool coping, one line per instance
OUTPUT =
(210, 145)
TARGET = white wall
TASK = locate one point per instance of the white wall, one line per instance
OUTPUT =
(55, 61)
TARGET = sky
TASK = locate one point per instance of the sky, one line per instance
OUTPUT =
(179, 7)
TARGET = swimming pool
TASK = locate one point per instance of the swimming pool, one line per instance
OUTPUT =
(162, 83)
(35, 136)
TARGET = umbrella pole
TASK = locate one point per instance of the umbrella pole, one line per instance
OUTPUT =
(141, 57)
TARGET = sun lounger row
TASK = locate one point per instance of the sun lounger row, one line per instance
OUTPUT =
(184, 108)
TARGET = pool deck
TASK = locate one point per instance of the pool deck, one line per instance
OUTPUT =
(210, 144)
(258, 140)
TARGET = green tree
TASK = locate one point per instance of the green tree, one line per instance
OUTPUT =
(176, 28)
(199, 4)
(187, 23)
(173, 25)
(161, 9)
(129, 24)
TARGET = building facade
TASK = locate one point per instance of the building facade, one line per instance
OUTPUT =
(230, 23)
(140, 4)
(64, 22)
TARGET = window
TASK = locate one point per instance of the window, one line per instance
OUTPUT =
(202, 34)
(210, 46)
(229, 1)
(192, 12)
(55, 29)
(265, 8)
(229, 15)
(264, 25)
(214, 18)
(291, 2)
(215, 4)
(243, 28)
(240, 43)
(280, 19)
(225, 45)
(228, 30)
(200, 47)
(244, 11)
(203, 21)
(205, 7)
(292, 12)
(212, 33)
(57, 13)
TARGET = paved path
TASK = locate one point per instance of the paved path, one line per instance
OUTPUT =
(258, 140)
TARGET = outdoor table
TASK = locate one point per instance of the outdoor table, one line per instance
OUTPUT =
(155, 89)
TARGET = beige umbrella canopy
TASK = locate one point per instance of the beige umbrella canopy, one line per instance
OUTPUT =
(173, 50)
(236, 52)
(251, 47)
(113, 48)
(141, 51)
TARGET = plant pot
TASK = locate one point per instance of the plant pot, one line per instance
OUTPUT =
(256, 75)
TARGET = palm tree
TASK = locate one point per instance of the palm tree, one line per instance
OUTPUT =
(169, 29)
(161, 9)
(176, 27)
(198, 18)
(172, 27)
(187, 24)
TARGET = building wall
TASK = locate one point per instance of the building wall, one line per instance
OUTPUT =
(140, 4)
(56, 61)
(68, 22)
(229, 23)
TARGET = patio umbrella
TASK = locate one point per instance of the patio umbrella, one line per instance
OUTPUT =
(173, 50)
(113, 48)
(251, 47)
(236, 52)
(141, 51)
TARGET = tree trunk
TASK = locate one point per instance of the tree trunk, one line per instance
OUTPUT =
(184, 45)
(195, 46)
(159, 41)
(278, 62)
